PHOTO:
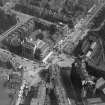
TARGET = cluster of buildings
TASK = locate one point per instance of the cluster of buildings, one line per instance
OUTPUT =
(40, 43)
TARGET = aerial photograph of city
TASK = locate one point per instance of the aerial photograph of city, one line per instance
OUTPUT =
(52, 52)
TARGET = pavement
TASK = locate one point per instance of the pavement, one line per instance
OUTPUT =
(63, 60)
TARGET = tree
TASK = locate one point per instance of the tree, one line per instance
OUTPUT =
(37, 54)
